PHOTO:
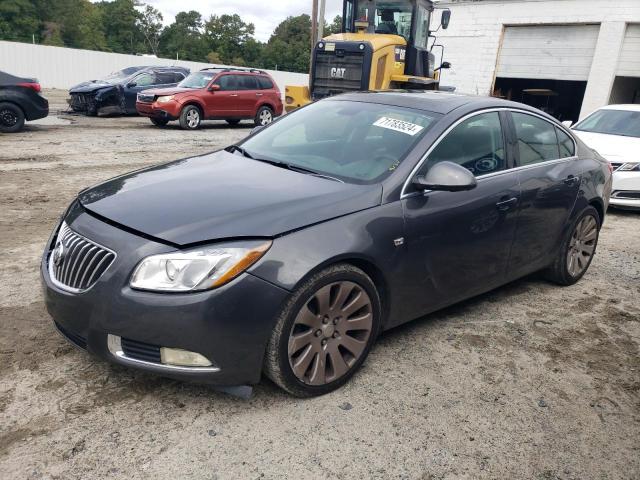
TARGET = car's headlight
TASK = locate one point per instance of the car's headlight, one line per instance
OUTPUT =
(165, 99)
(198, 269)
(630, 167)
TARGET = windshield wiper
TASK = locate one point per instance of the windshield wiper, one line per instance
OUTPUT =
(236, 148)
(308, 171)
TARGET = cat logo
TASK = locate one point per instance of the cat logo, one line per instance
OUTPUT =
(338, 72)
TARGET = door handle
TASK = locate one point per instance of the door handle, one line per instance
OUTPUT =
(233, 95)
(504, 205)
(571, 180)
(258, 94)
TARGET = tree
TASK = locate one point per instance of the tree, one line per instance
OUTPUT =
(289, 46)
(150, 24)
(335, 26)
(19, 20)
(184, 38)
(119, 22)
(227, 35)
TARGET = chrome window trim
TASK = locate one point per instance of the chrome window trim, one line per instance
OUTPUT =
(403, 192)
(114, 343)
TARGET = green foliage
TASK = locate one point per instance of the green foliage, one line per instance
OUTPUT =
(183, 38)
(334, 27)
(227, 35)
(131, 26)
(289, 48)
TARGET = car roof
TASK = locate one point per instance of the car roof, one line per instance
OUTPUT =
(432, 100)
(627, 107)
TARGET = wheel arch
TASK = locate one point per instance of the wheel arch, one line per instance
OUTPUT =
(599, 206)
(368, 266)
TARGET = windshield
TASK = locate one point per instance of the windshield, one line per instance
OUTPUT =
(198, 80)
(612, 122)
(121, 75)
(389, 16)
(352, 141)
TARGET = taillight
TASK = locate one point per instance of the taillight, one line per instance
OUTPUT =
(32, 85)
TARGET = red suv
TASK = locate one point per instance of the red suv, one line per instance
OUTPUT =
(214, 94)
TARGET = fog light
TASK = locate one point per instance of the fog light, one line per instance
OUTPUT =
(183, 358)
(289, 100)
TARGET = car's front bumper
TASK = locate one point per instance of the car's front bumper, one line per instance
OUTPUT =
(626, 190)
(155, 110)
(230, 326)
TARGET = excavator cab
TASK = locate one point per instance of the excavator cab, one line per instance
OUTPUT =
(383, 45)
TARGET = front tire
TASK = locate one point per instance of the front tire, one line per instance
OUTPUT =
(264, 116)
(190, 118)
(324, 332)
(577, 250)
(11, 118)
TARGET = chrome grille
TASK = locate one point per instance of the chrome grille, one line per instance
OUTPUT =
(76, 263)
(145, 98)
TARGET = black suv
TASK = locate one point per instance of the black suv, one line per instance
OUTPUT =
(20, 100)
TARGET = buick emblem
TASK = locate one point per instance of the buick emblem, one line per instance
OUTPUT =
(58, 254)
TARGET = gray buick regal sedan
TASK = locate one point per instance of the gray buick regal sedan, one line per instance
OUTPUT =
(288, 253)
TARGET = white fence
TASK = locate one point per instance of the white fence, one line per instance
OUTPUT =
(58, 67)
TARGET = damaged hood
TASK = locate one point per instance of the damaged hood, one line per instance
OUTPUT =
(91, 86)
(221, 196)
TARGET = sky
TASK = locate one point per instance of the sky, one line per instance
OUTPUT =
(264, 14)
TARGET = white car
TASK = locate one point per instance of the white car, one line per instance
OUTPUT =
(614, 132)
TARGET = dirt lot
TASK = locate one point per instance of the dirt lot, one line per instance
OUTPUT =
(530, 381)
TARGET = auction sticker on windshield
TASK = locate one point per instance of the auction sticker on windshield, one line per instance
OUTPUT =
(398, 126)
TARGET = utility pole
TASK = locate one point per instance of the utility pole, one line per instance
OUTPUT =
(314, 34)
(321, 20)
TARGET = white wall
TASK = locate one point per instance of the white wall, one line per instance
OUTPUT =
(58, 67)
(474, 37)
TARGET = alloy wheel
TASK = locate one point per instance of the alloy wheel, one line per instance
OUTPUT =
(266, 117)
(8, 117)
(582, 246)
(193, 118)
(330, 333)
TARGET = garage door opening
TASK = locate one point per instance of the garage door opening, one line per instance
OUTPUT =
(625, 90)
(559, 98)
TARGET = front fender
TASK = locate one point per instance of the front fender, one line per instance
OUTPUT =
(371, 236)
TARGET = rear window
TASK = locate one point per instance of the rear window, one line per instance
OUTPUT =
(265, 83)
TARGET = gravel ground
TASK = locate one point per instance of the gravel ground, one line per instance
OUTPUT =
(529, 381)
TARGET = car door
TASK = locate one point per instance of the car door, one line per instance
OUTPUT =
(550, 178)
(249, 95)
(459, 242)
(141, 82)
(223, 103)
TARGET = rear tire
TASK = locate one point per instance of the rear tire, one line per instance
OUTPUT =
(159, 122)
(577, 250)
(233, 121)
(11, 118)
(190, 118)
(264, 116)
(324, 332)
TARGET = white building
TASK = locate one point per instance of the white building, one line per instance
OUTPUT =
(567, 56)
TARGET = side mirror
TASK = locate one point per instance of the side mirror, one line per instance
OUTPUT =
(445, 19)
(132, 84)
(568, 123)
(214, 88)
(446, 177)
(256, 130)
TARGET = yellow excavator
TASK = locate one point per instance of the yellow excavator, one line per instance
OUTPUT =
(383, 45)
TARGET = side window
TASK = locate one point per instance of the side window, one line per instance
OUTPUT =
(145, 80)
(165, 78)
(247, 82)
(476, 144)
(537, 141)
(178, 77)
(265, 83)
(565, 142)
(228, 82)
